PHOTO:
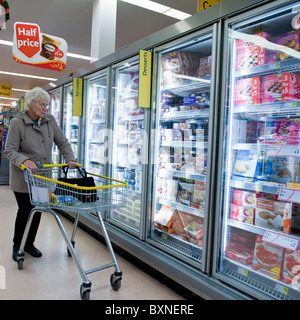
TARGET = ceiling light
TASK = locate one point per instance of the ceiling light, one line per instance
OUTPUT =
(22, 90)
(27, 76)
(5, 98)
(150, 5)
(176, 14)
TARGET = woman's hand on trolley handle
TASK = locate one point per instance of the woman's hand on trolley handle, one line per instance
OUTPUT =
(71, 164)
(30, 165)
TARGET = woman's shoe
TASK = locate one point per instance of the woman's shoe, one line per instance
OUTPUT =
(15, 253)
(36, 253)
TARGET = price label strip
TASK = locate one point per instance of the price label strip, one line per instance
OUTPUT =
(281, 240)
(283, 151)
(290, 195)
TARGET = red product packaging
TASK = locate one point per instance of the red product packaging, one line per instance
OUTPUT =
(244, 198)
(242, 214)
(248, 91)
(249, 54)
(279, 87)
(291, 267)
(267, 258)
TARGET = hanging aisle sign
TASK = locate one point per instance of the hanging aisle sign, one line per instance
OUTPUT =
(32, 47)
(205, 4)
(5, 91)
(145, 77)
(77, 97)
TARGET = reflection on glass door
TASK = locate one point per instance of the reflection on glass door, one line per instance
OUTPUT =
(182, 123)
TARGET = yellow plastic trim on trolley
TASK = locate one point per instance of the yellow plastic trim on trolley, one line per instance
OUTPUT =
(122, 183)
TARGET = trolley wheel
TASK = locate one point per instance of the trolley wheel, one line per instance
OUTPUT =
(20, 263)
(68, 250)
(85, 291)
(115, 283)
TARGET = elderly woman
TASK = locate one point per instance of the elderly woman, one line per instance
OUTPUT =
(30, 139)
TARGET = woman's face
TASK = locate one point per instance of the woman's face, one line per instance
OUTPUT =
(38, 109)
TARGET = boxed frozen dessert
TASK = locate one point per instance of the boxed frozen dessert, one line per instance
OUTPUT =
(185, 192)
(244, 198)
(291, 266)
(267, 258)
(279, 87)
(289, 40)
(249, 54)
(247, 164)
(248, 91)
(199, 192)
(204, 67)
(274, 215)
(242, 214)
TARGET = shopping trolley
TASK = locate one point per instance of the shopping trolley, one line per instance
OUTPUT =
(49, 192)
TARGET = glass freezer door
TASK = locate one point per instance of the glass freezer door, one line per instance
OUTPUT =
(260, 191)
(71, 123)
(180, 163)
(95, 124)
(128, 142)
(55, 110)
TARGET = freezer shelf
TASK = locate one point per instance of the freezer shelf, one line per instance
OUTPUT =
(128, 144)
(95, 126)
(181, 147)
(261, 168)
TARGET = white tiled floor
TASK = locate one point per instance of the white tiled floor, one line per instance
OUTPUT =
(55, 277)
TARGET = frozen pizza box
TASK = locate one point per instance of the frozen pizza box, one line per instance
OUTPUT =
(291, 266)
(273, 215)
(267, 258)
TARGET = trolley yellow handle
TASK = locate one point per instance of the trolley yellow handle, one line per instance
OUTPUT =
(122, 183)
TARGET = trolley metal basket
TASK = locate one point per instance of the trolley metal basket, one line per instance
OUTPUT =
(49, 193)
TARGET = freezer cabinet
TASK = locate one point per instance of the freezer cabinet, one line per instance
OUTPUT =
(258, 236)
(180, 168)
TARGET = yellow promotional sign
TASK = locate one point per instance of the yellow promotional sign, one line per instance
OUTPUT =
(145, 77)
(205, 4)
(5, 91)
(22, 104)
(77, 97)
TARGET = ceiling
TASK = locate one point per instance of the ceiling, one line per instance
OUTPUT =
(72, 20)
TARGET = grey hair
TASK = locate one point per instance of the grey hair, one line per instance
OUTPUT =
(36, 94)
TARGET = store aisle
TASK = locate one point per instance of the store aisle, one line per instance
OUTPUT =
(55, 276)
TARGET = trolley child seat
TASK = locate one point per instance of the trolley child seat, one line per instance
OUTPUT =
(56, 187)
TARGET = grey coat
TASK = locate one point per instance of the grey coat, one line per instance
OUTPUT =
(26, 141)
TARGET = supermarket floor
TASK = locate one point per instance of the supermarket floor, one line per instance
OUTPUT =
(55, 277)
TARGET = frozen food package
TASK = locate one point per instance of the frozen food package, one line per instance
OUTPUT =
(274, 215)
(242, 214)
(246, 163)
(185, 192)
(282, 169)
(248, 91)
(199, 192)
(244, 198)
(180, 220)
(249, 54)
(195, 228)
(165, 216)
(291, 266)
(267, 258)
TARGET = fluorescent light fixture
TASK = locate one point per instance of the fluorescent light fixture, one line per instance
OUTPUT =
(157, 7)
(26, 75)
(21, 90)
(5, 98)
(78, 56)
(176, 14)
(69, 54)
(150, 5)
